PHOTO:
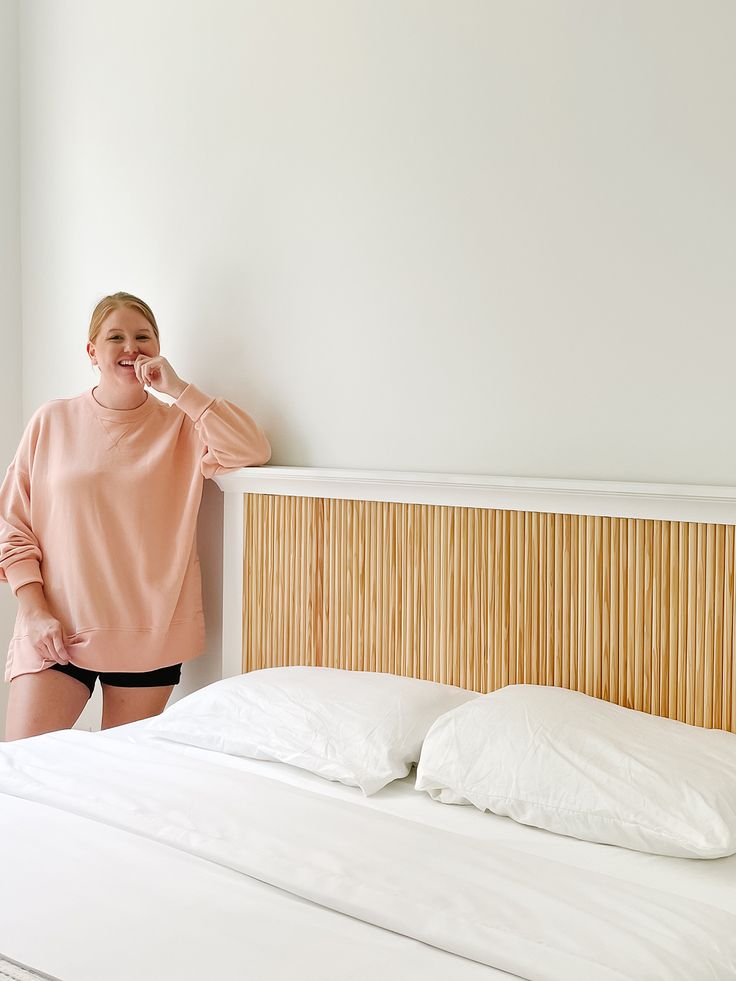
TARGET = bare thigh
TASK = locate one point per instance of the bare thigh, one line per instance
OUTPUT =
(123, 705)
(45, 701)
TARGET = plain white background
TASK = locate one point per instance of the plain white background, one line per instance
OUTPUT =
(11, 406)
(476, 236)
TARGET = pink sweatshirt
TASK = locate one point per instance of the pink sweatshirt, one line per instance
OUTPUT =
(100, 507)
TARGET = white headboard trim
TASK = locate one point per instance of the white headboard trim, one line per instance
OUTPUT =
(232, 586)
(664, 502)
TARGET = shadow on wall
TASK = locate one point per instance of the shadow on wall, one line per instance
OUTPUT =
(208, 668)
(221, 295)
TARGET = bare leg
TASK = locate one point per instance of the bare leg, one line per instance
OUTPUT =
(122, 705)
(45, 701)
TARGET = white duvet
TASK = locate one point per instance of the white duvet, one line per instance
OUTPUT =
(142, 815)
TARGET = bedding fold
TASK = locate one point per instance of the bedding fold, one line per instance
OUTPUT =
(533, 917)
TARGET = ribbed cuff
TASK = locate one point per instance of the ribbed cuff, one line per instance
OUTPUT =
(22, 572)
(194, 402)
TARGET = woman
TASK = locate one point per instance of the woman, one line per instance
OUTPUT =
(98, 517)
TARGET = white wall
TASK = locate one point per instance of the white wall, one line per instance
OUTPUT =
(454, 235)
(491, 236)
(10, 319)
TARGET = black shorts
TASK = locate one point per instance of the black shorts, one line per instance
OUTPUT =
(161, 677)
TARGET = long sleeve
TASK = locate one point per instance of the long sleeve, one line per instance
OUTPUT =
(20, 553)
(230, 437)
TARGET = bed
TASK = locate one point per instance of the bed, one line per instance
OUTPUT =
(128, 855)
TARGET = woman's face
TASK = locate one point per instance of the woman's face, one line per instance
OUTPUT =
(124, 334)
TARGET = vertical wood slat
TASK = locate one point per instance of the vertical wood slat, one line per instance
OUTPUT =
(635, 611)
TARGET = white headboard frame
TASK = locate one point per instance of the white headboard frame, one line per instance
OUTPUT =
(664, 502)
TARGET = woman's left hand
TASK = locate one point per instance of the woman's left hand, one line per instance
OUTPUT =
(158, 373)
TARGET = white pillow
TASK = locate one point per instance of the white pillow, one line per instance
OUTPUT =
(361, 728)
(579, 766)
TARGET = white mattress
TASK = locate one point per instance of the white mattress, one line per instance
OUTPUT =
(84, 900)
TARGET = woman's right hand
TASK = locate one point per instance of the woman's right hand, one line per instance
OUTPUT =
(46, 635)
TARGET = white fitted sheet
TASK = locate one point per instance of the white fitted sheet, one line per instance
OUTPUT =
(89, 902)
(163, 913)
(709, 881)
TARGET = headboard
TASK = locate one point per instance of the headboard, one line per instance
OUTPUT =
(622, 591)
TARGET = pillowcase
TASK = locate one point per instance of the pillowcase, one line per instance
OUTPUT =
(579, 766)
(361, 728)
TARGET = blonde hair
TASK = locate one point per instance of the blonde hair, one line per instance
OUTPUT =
(116, 301)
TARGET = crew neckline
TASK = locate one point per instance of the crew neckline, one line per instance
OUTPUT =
(121, 415)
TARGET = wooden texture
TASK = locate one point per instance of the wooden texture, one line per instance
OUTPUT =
(638, 612)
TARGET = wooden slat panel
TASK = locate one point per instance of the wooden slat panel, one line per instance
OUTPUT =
(635, 611)
(729, 598)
